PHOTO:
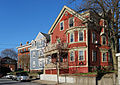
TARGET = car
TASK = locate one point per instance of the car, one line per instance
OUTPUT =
(22, 76)
(14, 77)
(9, 76)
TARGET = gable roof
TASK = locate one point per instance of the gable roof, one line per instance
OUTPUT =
(46, 35)
(43, 34)
(60, 14)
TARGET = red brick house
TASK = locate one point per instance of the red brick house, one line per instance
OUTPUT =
(9, 63)
(83, 47)
(24, 56)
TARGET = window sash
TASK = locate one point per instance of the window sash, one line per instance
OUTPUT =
(61, 26)
(93, 37)
(104, 57)
(80, 36)
(71, 56)
(71, 22)
(81, 55)
(103, 40)
(71, 37)
(94, 56)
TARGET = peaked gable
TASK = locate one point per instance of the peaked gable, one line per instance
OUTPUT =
(70, 13)
(41, 35)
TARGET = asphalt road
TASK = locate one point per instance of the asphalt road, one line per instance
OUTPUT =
(4, 81)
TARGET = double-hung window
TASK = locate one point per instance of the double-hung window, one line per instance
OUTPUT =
(104, 57)
(81, 55)
(80, 36)
(61, 26)
(103, 40)
(93, 37)
(71, 22)
(71, 37)
(94, 56)
(71, 56)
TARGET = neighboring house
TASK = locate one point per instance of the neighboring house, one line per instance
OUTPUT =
(37, 60)
(24, 56)
(9, 63)
(83, 48)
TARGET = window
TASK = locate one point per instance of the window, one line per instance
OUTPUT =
(61, 59)
(25, 49)
(62, 25)
(33, 63)
(71, 22)
(71, 56)
(93, 37)
(80, 36)
(94, 56)
(71, 37)
(104, 57)
(34, 54)
(103, 40)
(81, 56)
(109, 56)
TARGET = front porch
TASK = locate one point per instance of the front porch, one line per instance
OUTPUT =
(59, 60)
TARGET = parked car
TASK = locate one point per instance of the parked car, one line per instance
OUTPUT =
(14, 77)
(22, 76)
(9, 76)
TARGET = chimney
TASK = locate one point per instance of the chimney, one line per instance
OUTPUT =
(20, 44)
(27, 42)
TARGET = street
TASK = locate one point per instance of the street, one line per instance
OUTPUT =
(4, 81)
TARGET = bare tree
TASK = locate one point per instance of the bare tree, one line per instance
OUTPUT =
(9, 53)
(25, 61)
(109, 11)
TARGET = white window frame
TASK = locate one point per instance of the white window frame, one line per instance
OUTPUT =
(73, 37)
(63, 25)
(94, 56)
(69, 21)
(73, 56)
(79, 55)
(102, 40)
(105, 55)
(79, 36)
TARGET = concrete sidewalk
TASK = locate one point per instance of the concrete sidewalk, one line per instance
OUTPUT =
(49, 82)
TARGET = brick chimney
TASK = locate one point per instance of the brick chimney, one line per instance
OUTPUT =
(27, 42)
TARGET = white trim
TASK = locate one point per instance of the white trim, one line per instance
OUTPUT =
(65, 8)
(60, 25)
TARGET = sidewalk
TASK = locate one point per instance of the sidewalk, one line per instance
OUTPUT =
(49, 82)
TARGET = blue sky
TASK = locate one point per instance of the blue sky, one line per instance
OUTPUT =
(21, 20)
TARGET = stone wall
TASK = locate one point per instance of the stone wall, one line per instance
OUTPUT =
(108, 79)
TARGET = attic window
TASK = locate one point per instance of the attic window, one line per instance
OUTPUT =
(71, 22)
(61, 25)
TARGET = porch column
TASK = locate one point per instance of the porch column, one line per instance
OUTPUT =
(118, 55)
(44, 64)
